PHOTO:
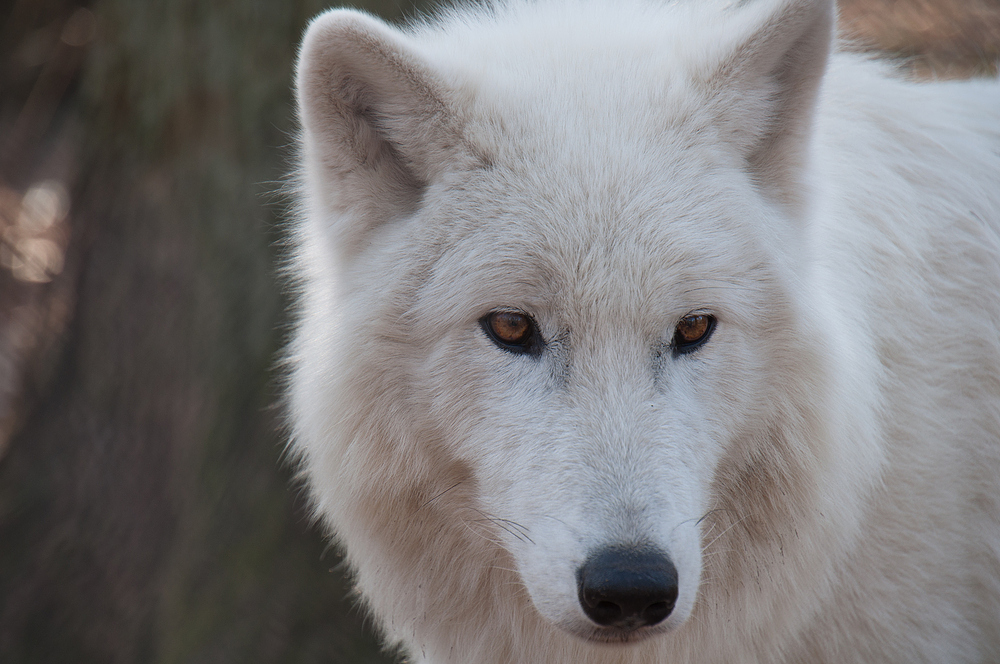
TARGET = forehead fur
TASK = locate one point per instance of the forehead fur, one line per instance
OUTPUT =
(567, 79)
(622, 245)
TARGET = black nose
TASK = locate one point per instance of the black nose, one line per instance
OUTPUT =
(627, 586)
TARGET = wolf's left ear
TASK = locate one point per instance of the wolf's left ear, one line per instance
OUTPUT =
(774, 55)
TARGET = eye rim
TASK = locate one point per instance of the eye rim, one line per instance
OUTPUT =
(531, 343)
(682, 347)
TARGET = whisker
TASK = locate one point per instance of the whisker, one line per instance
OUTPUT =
(441, 494)
(728, 528)
(513, 527)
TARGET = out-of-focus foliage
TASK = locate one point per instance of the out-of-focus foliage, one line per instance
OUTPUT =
(144, 512)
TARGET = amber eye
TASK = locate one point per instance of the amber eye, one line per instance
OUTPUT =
(692, 331)
(511, 330)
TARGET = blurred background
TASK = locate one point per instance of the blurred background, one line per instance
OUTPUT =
(145, 512)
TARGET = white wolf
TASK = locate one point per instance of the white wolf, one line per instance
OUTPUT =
(650, 332)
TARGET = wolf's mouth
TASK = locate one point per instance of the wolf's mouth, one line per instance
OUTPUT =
(613, 636)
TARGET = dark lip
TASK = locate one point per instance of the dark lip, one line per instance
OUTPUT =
(615, 636)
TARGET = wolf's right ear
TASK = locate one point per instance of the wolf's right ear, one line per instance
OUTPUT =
(377, 123)
(774, 54)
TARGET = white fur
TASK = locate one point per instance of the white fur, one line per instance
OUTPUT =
(824, 472)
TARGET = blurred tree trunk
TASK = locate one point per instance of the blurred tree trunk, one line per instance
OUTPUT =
(144, 512)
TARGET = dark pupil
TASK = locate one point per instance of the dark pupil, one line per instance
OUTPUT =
(692, 328)
(510, 327)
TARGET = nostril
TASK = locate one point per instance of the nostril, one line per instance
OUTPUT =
(627, 586)
(657, 612)
(605, 613)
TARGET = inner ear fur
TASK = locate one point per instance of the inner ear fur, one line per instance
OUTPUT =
(377, 125)
(767, 86)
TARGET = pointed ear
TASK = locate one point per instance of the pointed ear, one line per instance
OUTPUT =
(767, 85)
(377, 124)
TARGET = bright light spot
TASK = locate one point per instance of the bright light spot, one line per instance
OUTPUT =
(33, 259)
(32, 247)
(45, 205)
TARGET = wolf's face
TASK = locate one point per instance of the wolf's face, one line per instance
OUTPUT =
(591, 364)
(579, 311)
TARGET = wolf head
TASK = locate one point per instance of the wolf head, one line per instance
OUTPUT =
(553, 363)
